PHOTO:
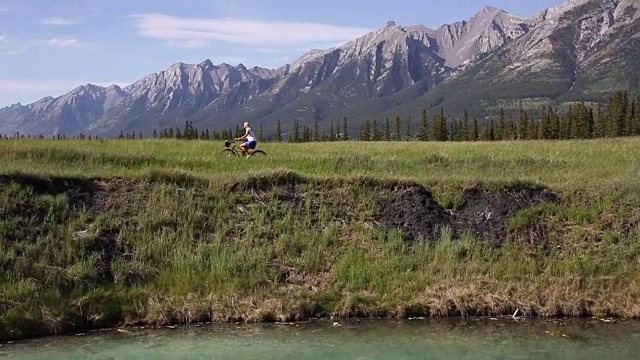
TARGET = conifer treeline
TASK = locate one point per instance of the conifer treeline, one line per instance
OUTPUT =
(620, 117)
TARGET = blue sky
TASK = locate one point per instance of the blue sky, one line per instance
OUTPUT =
(48, 47)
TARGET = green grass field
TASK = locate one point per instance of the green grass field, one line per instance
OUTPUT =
(177, 233)
(562, 164)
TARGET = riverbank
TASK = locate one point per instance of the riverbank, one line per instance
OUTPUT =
(246, 243)
(453, 338)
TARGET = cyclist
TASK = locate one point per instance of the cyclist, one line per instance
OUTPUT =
(251, 142)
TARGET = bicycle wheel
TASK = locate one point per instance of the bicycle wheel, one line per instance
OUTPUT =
(258, 153)
(228, 152)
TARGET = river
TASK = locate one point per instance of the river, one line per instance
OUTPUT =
(362, 340)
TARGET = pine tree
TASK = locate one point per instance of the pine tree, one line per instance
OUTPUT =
(475, 136)
(424, 129)
(375, 133)
(397, 132)
(617, 114)
(408, 129)
(554, 118)
(307, 135)
(296, 131)
(345, 131)
(316, 129)
(488, 131)
(332, 132)
(590, 123)
(636, 122)
(523, 123)
(455, 130)
(366, 131)
(187, 130)
(279, 132)
(155, 134)
(544, 123)
(440, 127)
(501, 130)
(631, 117)
(465, 129)
(600, 123)
(387, 130)
(581, 124)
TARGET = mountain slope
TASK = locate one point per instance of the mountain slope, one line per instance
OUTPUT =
(584, 48)
(373, 68)
(66, 114)
(180, 92)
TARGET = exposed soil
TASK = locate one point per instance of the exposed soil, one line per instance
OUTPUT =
(413, 210)
(410, 208)
(483, 214)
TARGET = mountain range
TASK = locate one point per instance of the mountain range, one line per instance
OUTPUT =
(580, 49)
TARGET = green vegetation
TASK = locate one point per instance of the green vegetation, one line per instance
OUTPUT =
(110, 232)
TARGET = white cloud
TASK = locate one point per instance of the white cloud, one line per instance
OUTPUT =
(189, 44)
(246, 32)
(59, 21)
(13, 47)
(60, 42)
(9, 47)
(9, 7)
(75, 11)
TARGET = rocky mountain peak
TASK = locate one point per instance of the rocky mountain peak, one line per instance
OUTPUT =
(487, 10)
(207, 65)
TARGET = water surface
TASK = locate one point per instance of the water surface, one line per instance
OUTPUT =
(366, 340)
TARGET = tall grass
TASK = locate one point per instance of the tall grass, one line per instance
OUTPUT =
(575, 164)
(302, 244)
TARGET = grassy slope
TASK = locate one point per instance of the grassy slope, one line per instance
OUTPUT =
(182, 250)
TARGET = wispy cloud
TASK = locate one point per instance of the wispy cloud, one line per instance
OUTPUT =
(9, 47)
(77, 11)
(9, 7)
(59, 21)
(65, 42)
(18, 46)
(246, 32)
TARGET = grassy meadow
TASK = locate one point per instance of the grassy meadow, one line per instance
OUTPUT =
(123, 232)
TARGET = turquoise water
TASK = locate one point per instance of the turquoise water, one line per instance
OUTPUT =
(367, 340)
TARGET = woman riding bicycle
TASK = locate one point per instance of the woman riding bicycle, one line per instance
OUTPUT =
(251, 142)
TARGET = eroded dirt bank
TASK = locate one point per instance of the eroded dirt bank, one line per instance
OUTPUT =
(90, 253)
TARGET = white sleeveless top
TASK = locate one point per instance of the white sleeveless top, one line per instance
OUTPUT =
(251, 137)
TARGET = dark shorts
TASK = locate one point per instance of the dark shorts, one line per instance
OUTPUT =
(251, 144)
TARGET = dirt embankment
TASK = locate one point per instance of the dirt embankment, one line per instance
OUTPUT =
(411, 208)
(483, 214)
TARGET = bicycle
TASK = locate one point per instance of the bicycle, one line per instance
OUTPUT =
(234, 150)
